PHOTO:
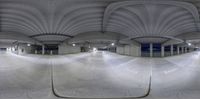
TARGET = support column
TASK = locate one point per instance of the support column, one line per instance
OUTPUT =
(18, 48)
(36, 52)
(172, 50)
(191, 49)
(178, 50)
(13, 49)
(185, 48)
(182, 50)
(162, 51)
(51, 52)
(43, 49)
(151, 50)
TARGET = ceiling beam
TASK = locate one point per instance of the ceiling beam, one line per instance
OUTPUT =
(95, 36)
(114, 6)
(189, 36)
(17, 37)
(45, 34)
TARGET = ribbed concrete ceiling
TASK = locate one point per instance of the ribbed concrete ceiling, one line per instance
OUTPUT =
(40, 19)
(151, 20)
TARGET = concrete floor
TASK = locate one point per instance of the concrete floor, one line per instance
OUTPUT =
(99, 75)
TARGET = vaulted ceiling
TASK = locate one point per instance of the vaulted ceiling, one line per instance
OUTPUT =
(58, 20)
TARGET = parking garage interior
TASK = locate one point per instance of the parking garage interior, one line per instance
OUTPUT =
(99, 49)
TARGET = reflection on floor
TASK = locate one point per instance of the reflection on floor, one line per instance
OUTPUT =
(99, 75)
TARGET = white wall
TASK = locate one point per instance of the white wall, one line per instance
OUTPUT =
(130, 50)
(68, 49)
(120, 50)
(127, 50)
(135, 50)
(26, 49)
(22, 49)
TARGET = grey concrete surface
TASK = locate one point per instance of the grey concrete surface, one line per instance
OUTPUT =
(24, 77)
(99, 75)
(176, 77)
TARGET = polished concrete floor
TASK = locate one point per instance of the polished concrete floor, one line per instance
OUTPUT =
(99, 75)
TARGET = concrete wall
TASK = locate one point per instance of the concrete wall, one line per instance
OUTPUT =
(21, 49)
(135, 50)
(120, 50)
(68, 49)
(127, 50)
(130, 50)
(24, 49)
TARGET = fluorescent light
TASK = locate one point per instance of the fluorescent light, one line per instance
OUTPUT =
(94, 49)
(73, 44)
(189, 44)
(28, 44)
(112, 44)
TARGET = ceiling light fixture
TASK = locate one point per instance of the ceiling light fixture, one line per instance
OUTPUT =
(73, 44)
(94, 49)
(189, 44)
(28, 44)
(112, 44)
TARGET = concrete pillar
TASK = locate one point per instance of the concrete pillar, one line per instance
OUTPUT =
(43, 49)
(12, 49)
(151, 50)
(162, 51)
(36, 52)
(185, 49)
(182, 50)
(190, 49)
(51, 52)
(172, 50)
(18, 50)
(178, 50)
